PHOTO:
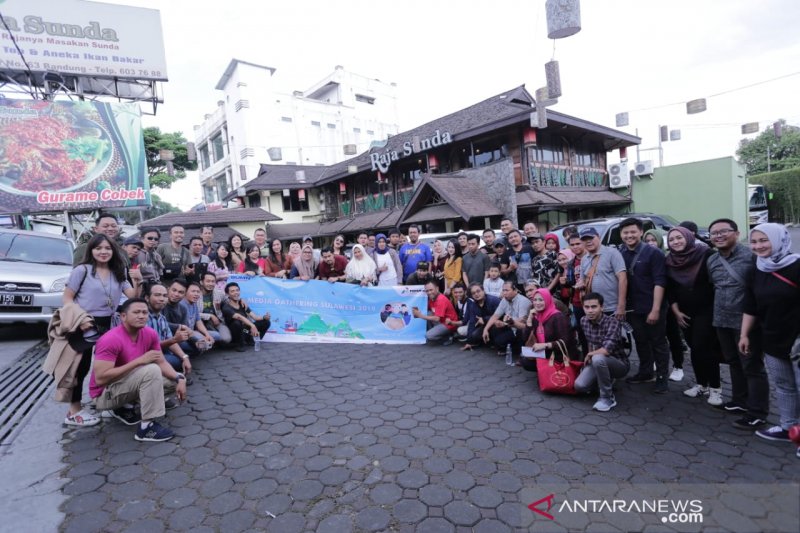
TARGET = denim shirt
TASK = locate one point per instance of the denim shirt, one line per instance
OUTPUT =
(729, 293)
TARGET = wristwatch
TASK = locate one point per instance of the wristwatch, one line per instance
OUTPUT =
(184, 357)
(179, 376)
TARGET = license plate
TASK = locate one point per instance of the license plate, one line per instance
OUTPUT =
(16, 299)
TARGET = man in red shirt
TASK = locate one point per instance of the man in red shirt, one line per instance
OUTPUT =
(332, 266)
(130, 367)
(441, 309)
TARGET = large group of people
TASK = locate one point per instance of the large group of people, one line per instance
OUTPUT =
(726, 301)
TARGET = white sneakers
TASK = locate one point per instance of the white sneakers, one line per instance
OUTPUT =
(676, 375)
(697, 390)
(714, 397)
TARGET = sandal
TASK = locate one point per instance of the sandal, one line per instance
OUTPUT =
(81, 419)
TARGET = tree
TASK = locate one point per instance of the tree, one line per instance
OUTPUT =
(154, 142)
(159, 207)
(784, 152)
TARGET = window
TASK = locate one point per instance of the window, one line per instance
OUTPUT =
(331, 126)
(216, 145)
(208, 195)
(315, 123)
(286, 119)
(356, 130)
(205, 162)
(370, 132)
(254, 200)
(365, 99)
(243, 172)
(222, 186)
(292, 202)
(489, 151)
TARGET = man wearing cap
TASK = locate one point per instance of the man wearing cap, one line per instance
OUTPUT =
(422, 275)
(603, 271)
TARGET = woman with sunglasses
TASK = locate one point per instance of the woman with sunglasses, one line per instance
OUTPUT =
(150, 261)
(339, 243)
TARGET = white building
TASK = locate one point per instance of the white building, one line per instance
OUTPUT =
(257, 123)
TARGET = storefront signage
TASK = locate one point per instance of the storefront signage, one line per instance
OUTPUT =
(382, 162)
(64, 155)
(76, 37)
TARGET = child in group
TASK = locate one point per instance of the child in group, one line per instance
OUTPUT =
(494, 283)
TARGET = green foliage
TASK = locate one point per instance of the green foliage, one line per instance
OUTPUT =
(158, 208)
(784, 153)
(785, 188)
(154, 141)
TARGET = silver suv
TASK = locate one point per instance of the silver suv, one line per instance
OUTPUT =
(34, 268)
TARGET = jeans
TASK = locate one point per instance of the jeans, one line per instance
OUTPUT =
(438, 332)
(241, 334)
(785, 378)
(601, 370)
(675, 341)
(749, 384)
(651, 344)
(174, 361)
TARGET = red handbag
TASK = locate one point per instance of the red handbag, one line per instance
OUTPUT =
(558, 376)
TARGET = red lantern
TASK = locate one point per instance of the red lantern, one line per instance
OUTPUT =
(342, 187)
(301, 195)
(433, 162)
(380, 177)
(623, 153)
(529, 136)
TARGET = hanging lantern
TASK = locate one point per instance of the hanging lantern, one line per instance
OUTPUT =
(750, 127)
(695, 106)
(529, 136)
(623, 153)
(433, 162)
(342, 187)
(301, 195)
(553, 79)
(563, 18)
(622, 119)
(274, 153)
(287, 193)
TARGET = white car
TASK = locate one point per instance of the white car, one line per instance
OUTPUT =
(34, 268)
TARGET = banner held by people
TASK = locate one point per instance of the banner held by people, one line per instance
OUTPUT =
(319, 311)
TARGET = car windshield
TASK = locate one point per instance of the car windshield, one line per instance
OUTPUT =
(34, 249)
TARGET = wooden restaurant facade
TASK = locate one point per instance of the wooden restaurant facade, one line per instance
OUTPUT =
(466, 170)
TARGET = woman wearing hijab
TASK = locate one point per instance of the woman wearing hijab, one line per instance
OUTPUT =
(387, 262)
(361, 269)
(547, 325)
(552, 245)
(773, 300)
(304, 268)
(655, 238)
(691, 296)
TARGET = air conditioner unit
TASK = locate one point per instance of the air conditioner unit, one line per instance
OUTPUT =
(643, 168)
(618, 176)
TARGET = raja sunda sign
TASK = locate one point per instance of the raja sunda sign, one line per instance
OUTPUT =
(382, 162)
(73, 37)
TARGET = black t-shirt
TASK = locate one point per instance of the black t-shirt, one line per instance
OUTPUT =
(524, 259)
(777, 305)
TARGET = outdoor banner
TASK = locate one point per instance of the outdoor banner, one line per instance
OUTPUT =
(320, 311)
(78, 38)
(71, 155)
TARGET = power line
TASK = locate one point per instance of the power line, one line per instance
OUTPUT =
(660, 106)
(19, 50)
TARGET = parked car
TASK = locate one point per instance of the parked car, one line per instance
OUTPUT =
(666, 223)
(428, 238)
(34, 268)
(607, 228)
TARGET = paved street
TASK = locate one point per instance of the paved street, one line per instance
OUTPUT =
(377, 438)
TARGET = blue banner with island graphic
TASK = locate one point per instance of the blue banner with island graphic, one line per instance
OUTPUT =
(320, 311)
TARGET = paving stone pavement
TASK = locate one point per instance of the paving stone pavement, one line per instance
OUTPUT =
(337, 438)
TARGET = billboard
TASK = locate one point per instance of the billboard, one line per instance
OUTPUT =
(77, 156)
(83, 38)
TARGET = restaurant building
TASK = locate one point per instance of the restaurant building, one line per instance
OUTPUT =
(466, 170)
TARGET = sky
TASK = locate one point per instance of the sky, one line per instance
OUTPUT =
(638, 56)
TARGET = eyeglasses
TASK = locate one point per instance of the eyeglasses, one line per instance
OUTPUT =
(151, 238)
(721, 233)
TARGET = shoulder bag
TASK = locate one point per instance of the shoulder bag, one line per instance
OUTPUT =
(558, 377)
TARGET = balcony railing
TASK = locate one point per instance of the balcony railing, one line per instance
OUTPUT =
(555, 175)
(374, 202)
